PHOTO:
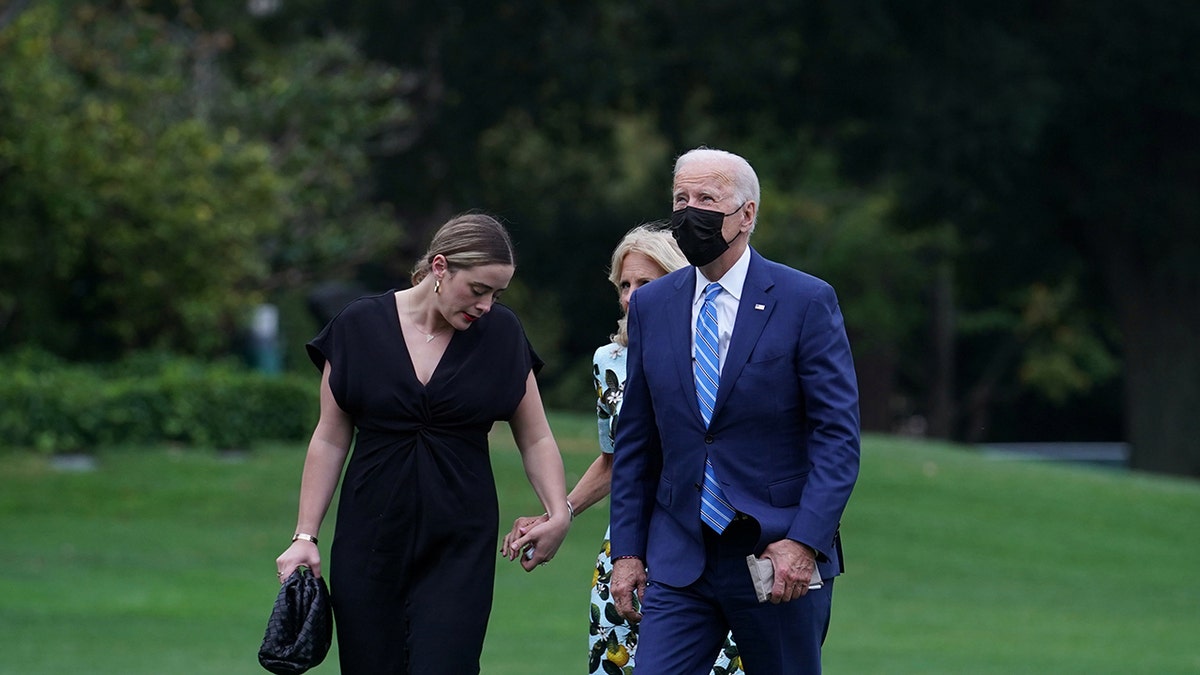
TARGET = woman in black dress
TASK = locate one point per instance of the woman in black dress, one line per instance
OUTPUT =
(421, 375)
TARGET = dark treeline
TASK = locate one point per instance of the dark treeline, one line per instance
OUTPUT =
(1003, 195)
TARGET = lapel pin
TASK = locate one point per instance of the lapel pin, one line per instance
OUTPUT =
(760, 307)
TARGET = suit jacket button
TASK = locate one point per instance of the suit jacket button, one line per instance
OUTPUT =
(708, 439)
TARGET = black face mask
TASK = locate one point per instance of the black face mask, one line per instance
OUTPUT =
(698, 232)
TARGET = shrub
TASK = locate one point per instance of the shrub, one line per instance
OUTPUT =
(53, 407)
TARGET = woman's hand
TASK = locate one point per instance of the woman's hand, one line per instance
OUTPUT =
(533, 541)
(301, 553)
(521, 527)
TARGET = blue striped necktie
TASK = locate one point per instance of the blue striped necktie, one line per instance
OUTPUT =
(715, 511)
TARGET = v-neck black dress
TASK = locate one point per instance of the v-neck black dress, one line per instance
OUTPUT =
(413, 560)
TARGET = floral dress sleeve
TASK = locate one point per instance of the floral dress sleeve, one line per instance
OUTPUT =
(608, 378)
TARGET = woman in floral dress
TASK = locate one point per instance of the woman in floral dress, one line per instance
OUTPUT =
(644, 254)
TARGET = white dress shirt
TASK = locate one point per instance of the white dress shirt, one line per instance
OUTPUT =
(727, 303)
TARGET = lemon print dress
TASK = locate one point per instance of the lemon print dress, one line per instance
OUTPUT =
(613, 641)
(413, 559)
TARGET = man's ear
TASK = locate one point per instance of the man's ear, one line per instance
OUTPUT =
(749, 213)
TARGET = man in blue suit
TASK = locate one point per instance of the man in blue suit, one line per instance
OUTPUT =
(739, 436)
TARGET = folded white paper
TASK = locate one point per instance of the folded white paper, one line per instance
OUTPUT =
(762, 573)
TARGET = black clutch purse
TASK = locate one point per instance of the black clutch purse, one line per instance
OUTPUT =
(301, 626)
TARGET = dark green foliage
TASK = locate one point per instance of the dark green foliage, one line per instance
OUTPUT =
(128, 221)
(60, 408)
(158, 178)
(948, 167)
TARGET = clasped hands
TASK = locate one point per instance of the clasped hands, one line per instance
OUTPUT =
(794, 566)
(533, 540)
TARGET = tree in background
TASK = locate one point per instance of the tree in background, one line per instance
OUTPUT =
(1062, 140)
(161, 176)
(1121, 165)
(1054, 143)
(1003, 195)
(323, 110)
(128, 223)
(841, 233)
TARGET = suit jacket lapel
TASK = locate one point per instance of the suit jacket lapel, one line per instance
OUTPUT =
(679, 318)
(754, 309)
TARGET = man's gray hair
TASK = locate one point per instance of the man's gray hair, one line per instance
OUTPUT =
(745, 180)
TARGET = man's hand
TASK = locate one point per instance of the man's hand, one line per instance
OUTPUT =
(628, 578)
(794, 565)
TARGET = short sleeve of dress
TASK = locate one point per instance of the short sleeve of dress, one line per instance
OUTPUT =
(342, 335)
(535, 362)
(608, 378)
(331, 344)
(318, 348)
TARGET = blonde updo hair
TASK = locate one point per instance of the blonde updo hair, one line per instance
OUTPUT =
(467, 240)
(654, 241)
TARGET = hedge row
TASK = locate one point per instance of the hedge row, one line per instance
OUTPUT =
(60, 408)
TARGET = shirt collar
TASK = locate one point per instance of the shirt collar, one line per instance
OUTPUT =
(732, 283)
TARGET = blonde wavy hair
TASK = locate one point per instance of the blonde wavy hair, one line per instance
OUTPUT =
(654, 241)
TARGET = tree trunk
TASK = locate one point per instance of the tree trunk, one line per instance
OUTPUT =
(942, 331)
(1161, 326)
(876, 370)
(1159, 315)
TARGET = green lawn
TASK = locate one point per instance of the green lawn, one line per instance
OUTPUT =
(162, 561)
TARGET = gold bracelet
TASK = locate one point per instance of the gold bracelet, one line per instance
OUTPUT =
(305, 537)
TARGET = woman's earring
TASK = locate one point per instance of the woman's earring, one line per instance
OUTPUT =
(437, 285)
